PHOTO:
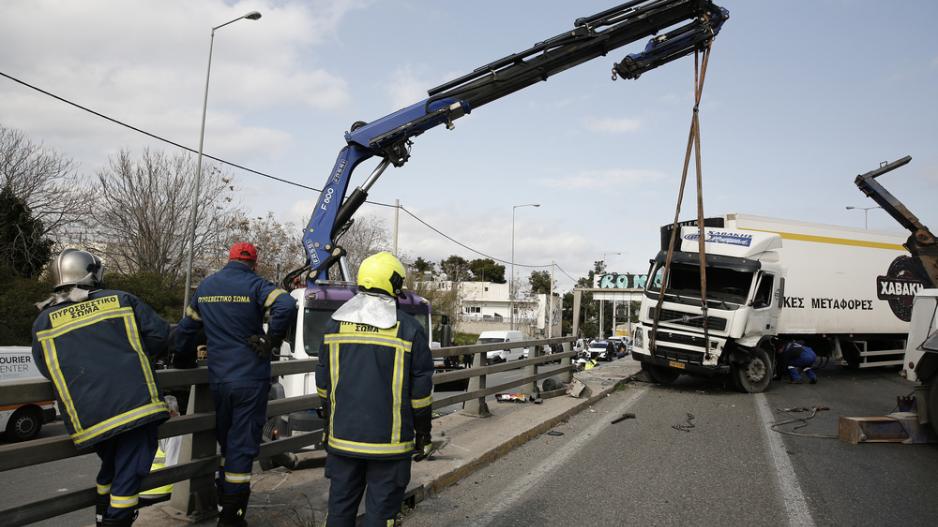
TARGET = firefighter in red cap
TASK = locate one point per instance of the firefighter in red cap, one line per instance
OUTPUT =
(230, 305)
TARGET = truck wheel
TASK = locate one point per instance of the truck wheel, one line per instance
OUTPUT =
(754, 375)
(24, 424)
(661, 374)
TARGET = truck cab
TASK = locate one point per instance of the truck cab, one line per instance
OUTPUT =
(745, 288)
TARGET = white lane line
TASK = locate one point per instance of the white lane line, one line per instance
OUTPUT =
(796, 507)
(518, 488)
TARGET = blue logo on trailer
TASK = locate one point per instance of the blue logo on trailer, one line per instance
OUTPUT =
(727, 238)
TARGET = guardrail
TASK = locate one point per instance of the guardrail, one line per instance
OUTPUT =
(193, 477)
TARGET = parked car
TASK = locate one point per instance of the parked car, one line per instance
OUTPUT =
(489, 337)
(602, 349)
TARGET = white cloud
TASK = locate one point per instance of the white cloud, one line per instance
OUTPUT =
(144, 62)
(599, 179)
(409, 84)
(612, 125)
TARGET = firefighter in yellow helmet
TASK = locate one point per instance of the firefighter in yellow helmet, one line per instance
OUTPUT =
(374, 382)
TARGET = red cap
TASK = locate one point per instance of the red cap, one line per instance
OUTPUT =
(243, 251)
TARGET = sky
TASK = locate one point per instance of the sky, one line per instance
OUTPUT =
(798, 101)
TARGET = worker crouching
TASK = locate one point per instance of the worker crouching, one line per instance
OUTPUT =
(374, 382)
(95, 345)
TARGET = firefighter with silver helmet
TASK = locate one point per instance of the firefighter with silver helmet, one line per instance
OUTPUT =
(96, 346)
(374, 380)
(230, 306)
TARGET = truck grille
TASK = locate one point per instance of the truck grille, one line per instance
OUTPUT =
(679, 338)
(664, 352)
(678, 317)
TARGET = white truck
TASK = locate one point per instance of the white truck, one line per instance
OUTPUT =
(846, 292)
(22, 421)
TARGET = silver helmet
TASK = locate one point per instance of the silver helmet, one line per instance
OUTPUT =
(73, 267)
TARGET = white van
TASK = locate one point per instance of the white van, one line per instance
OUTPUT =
(489, 337)
(22, 421)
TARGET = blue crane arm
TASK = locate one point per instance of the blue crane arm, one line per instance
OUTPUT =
(390, 137)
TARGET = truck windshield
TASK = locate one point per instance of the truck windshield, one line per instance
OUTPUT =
(490, 340)
(723, 285)
(314, 324)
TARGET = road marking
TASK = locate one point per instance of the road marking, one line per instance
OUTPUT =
(796, 507)
(520, 487)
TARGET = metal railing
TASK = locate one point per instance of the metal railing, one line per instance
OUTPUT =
(193, 494)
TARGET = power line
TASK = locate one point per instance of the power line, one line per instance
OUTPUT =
(257, 172)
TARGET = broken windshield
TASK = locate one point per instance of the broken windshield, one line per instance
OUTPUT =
(724, 286)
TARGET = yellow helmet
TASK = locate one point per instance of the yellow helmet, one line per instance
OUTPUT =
(382, 273)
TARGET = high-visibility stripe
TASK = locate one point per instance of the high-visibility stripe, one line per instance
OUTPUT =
(124, 502)
(323, 394)
(130, 324)
(356, 328)
(334, 386)
(348, 338)
(237, 477)
(397, 387)
(272, 297)
(118, 421)
(421, 403)
(84, 322)
(103, 489)
(371, 448)
(58, 379)
(193, 314)
(833, 240)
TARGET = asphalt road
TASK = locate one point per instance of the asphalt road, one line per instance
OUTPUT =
(727, 469)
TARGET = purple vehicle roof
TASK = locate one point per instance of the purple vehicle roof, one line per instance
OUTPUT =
(334, 294)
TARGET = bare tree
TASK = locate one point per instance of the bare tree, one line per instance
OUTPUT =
(367, 236)
(278, 244)
(143, 213)
(46, 181)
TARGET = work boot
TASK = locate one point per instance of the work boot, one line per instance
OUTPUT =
(233, 509)
(100, 507)
(124, 521)
(809, 373)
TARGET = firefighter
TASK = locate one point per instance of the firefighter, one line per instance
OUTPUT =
(374, 381)
(96, 346)
(794, 356)
(230, 306)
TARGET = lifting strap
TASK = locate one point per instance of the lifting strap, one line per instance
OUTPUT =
(693, 144)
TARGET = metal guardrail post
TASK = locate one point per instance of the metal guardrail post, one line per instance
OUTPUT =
(477, 407)
(566, 361)
(529, 371)
(195, 499)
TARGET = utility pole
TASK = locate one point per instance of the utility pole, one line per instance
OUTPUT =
(550, 303)
(397, 221)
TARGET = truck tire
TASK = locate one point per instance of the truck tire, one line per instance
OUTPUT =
(24, 424)
(661, 374)
(754, 375)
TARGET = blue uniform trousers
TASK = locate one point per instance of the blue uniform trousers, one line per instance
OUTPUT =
(125, 461)
(386, 481)
(240, 414)
(805, 360)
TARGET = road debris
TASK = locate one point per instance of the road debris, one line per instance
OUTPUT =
(803, 421)
(623, 417)
(516, 397)
(686, 426)
(554, 433)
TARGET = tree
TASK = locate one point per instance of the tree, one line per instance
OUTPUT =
(279, 250)
(46, 182)
(423, 267)
(540, 282)
(24, 249)
(486, 270)
(143, 213)
(455, 268)
(367, 235)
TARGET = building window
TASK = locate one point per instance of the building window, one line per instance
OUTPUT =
(471, 309)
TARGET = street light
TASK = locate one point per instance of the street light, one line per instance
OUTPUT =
(253, 15)
(603, 302)
(511, 283)
(866, 214)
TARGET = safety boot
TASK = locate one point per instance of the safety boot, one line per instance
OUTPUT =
(809, 373)
(233, 509)
(125, 521)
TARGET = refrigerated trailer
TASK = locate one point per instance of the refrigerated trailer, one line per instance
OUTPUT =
(846, 292)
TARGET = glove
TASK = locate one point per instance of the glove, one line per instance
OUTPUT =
(261, 345)
(422, 426)
(423, 444)
(324, 414)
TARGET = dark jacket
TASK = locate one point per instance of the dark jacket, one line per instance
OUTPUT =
(375, 382)
(97, 355)
(799, 355)
(230, 305)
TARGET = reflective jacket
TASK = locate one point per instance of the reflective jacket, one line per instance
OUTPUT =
(97, 354)
(230, 305)
(374, 381)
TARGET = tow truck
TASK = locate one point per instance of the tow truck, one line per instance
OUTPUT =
(920, 362)
(691, 26)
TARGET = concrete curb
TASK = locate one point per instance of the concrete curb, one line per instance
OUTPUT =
(420, 492)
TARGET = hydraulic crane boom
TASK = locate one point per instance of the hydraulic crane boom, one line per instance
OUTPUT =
(390, 137)
(921, 242)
